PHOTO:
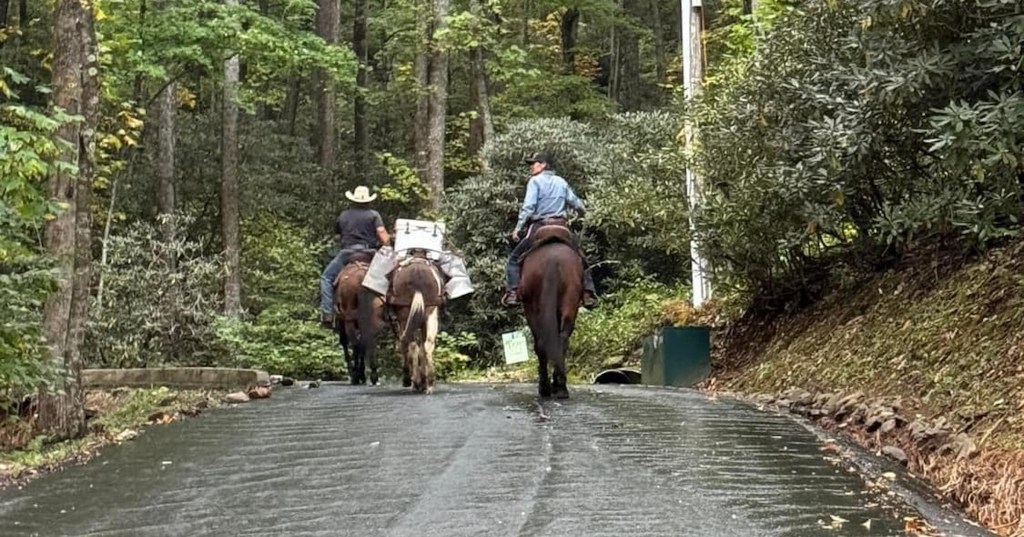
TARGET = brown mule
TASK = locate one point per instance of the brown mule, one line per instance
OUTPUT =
(417, 294)
(360, 316)
(551, 292)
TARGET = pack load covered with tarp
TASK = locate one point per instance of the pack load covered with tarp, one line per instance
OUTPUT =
(427, 237)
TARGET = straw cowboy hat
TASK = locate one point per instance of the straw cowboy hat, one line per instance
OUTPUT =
(361, 195)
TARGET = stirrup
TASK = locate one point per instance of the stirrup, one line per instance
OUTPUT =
(510, 298)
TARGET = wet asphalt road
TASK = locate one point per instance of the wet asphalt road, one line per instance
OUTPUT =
(470, 460)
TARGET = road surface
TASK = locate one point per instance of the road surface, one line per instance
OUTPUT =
(470, 460)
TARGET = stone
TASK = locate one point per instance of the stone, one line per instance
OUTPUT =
(168, 401)
(799, 396)
(961, 445)
(896, 454)
(236, 397)
(314, 384)
(182, 377)
(287, 381)
(276, 379)
(888, 426)
(259, 392)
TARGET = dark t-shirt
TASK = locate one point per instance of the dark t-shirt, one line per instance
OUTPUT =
(358, 225)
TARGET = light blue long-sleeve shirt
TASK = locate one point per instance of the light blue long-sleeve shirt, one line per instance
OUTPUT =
(547, 195)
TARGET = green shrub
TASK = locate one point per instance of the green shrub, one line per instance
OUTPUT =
(157, 301)
(281, 342)
(859, 128)
(451, 358)
(607, 335)
(629, 171)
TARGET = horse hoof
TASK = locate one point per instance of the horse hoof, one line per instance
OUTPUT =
(374, 378)
(562, 394)
(545, 391)
(429, 390)
(406, 382)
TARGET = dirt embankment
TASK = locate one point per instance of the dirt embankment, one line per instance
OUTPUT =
(924, 363)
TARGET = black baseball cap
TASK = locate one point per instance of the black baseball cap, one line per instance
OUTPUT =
(541, 157)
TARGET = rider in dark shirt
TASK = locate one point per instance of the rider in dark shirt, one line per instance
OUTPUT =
(357, 228)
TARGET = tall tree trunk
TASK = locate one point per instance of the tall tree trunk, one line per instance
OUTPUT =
(570, 22)
(229, 203)
(626, 59)
(421, 70)
(81, 300)
(74, 69)
(481, 130)
(438, 108)
(660, 58)
(361, 142)
(327, 20)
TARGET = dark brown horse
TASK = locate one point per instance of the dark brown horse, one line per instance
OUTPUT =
(552, 291)
(360, 316)
(417, 293)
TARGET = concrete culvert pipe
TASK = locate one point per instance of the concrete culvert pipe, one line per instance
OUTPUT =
(618, 376)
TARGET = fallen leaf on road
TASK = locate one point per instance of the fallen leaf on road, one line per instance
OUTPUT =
(867, 525)
(891, 476)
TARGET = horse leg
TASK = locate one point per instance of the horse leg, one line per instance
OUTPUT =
(429, 342)
(415, 352)
(359, 365)
(543, 381)
(561, 390)
(343, 341)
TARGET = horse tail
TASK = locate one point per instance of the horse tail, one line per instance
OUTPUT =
(365, 318)
(417, 316)
(549, 315)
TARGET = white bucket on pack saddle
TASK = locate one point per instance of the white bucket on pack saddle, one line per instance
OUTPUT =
(383, 263)
(454, 267)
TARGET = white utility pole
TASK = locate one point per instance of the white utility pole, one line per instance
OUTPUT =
(693, 75)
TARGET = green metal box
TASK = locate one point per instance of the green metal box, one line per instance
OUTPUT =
(676, 356)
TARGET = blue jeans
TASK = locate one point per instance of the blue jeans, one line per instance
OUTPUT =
(513, 268)
(327, 281)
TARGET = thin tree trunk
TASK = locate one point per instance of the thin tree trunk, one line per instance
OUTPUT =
(75, 86)
(327, 20)
(438, 108)
(361, 142)
(229, 204)
(105, 242)
(570, 22)
(166, 202)
(291, 106)
(4, 11)
(139, 84)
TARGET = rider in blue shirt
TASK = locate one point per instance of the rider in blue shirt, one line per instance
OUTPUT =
(547, 196)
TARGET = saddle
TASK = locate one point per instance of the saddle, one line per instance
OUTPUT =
(409, 261)
(552, 230)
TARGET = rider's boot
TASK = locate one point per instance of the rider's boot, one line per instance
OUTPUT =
(327, 321)
(589, 299)
(511, 298)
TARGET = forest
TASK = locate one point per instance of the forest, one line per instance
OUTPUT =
(170, 170)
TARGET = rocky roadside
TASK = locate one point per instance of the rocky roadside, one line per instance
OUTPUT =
(944, 451)
(117, 416)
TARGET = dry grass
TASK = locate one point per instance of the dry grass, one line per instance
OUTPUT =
(944, 336)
